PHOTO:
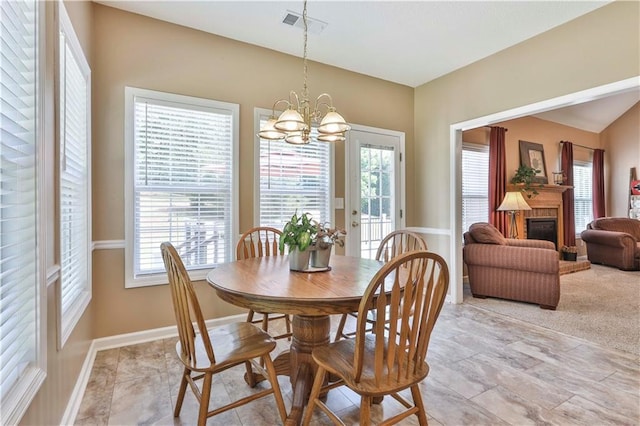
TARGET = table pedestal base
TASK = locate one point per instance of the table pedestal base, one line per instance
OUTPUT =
(308, 333)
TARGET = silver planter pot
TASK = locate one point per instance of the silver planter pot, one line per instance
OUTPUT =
(320, 257)
(299, 260)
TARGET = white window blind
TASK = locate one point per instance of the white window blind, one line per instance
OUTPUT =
(582, 195)
(75, 180)
(294, 178)
(475, 184)
(184, 181)
(21, 364)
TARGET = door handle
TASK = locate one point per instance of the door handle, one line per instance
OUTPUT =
(354, 224)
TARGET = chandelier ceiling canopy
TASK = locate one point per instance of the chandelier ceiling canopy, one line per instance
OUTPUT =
(294, 124)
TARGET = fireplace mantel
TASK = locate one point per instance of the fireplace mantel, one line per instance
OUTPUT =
(548, 203)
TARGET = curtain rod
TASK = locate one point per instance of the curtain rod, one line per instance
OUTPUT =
(505, 129)
(581, 146)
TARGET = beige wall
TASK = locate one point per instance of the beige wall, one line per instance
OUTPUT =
(131, 50)
(621, 142)
(63, 366)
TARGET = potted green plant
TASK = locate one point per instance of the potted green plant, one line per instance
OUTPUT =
(298, 234)
(569, 253)
(325, 238)
(525, 175)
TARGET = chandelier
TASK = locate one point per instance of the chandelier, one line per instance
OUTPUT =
(294, 124)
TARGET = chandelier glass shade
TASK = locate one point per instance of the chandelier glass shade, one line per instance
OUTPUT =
(294, 124)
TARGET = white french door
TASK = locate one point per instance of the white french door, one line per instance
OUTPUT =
(374, 204)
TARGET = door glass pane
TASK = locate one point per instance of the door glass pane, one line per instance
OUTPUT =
(376, 195)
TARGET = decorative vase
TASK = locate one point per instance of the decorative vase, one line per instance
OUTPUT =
(299, 260)
(320, 257)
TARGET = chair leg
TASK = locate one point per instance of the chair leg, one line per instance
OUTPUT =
(265, 322)
(343, 321)
(204, 399)
(417, 400)
(365, 410)
(314, 395)
(277, 394)
(250, 378)
(181, 392)
(287, 323)
(250, 315)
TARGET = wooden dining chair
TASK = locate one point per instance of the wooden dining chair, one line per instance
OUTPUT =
(205, 352)
(392, 245)
(262, 241)
(407, 295)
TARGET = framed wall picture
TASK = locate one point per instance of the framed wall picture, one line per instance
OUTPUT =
(532, 155)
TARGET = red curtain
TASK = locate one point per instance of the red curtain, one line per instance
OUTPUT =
(568, 215)
(598, 184)
(497, 178)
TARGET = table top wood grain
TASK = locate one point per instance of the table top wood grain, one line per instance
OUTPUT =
(267, 285)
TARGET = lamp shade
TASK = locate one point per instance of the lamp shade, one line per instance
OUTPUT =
(270, 132)
(290, 121)
(513, 201)
(331, 138)
(296, 138)
(333, 123)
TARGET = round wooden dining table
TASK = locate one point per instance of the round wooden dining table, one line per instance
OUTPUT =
(265, 284)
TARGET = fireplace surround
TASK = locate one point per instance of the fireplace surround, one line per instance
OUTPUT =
(546, 204)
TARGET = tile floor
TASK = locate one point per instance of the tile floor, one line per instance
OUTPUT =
(486, 369)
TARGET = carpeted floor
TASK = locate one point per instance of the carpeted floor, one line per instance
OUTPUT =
(601, 305)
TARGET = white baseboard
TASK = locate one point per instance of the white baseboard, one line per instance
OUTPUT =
(117, 341)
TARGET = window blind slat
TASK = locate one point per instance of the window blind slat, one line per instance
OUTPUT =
(582, 195)
(475, 184)
(183, 183)
(74, 178)
(293, 178)
(18, 202)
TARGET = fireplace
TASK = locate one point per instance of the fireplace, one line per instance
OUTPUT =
(547, 204)
(542, 228)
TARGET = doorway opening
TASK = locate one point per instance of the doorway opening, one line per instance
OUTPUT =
(455, 157)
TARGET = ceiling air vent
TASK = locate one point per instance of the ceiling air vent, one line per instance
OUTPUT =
(315, 26)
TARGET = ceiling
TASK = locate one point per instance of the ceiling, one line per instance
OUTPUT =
(379, 38)
(593, 116)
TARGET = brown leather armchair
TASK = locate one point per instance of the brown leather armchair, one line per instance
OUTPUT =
(522, 270)
(614, 241)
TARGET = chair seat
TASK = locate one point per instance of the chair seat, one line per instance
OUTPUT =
(337, 358)
(235, 343)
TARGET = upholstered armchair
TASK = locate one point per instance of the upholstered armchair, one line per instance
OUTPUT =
(614, 241)
(522, 270)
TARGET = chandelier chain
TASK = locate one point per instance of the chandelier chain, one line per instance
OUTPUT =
(305, 90)
(294, 124)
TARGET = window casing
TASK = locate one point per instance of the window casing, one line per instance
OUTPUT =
(292, 178)
(582, 195)
(182, 182)
(74, 126)
(475, 184)
(22, 282)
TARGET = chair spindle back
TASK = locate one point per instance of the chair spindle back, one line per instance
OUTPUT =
(406, 295)
(398, 242)
(258, 242)
(185, 305)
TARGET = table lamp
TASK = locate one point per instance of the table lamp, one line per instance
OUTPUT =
(513, 202)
